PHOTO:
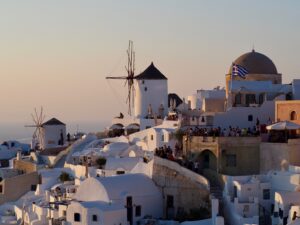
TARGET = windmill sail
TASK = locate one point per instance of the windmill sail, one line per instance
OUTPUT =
(130, 68)
(38, 134)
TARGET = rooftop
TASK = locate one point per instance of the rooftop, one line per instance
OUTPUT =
(151, 73)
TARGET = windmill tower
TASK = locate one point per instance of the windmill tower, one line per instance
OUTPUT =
(38, 134)
(130, 68)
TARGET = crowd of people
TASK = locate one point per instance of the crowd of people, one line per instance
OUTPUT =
(219, 132)
(176, 156)
(165, 152)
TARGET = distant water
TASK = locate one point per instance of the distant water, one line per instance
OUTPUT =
(17, 131)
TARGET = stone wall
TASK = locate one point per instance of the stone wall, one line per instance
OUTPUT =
(272, 155)
(25, 166)
(246, 150)
(283, 110)
(13, 188)
(189, 189)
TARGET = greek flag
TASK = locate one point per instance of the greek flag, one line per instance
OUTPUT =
(238, 70)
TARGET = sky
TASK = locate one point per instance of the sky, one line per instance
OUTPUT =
(57, 53)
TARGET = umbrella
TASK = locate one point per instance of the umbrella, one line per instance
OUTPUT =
(284, 125)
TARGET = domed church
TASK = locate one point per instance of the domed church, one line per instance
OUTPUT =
(259, 67)
(253, 85)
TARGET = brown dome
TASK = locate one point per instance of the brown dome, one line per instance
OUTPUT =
(255, 63)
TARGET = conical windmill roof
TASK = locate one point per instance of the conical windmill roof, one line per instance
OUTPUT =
(53, 121)
(151, 73)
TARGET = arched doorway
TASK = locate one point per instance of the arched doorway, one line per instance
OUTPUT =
(207, 160)
(293, 115)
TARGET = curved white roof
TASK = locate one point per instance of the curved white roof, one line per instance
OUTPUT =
(115, 149)
(286, 198)
(116, 146)
(92, 190)
(116, 187)
(126, 163)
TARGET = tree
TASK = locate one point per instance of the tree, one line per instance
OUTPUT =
(65, 177)
(101, 161)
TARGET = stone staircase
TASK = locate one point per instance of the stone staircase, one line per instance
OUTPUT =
(217, 192)
(264, 216)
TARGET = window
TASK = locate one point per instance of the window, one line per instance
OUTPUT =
(170, 201)
(64, 213)
(293, 115)
(250, 118)
(261, 98)
(162, 138)
(1, 189)
(77, 217)
(95, 218)
(33, 187)
(138, 210)
(119, 172)
(238, 99)
(234, 191)
(231, 160)
(266, 194)
(151, 137)
(250, 99)
(145, 89)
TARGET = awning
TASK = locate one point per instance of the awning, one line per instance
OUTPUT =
(284, 125)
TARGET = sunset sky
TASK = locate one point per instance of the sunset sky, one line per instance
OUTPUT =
(57, 53)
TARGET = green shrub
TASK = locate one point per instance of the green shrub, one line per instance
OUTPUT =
(101, 161)
(65, 177)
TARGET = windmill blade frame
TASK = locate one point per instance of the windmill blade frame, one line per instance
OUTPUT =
(130, 68)
(38, 120)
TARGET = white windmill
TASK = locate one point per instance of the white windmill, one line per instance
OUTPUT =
(38, 135)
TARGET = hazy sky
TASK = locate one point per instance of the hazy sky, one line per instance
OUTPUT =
(57, 53)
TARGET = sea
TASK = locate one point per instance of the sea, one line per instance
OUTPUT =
(18, 131)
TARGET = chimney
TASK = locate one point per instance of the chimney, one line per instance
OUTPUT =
(19, 155)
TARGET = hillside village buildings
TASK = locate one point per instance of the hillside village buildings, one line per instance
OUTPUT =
(217, 159)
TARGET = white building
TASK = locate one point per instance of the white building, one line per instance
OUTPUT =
(151, 90)
(96, 212)
(197, 101)
(136, 193)
(245, 101)
(243, 197)
(150, 100)
(54, 133)
(156, 136)
(274, 196)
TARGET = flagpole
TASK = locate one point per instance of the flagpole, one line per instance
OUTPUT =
(230, 86)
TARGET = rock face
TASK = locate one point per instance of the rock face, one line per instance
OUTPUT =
(182, 189)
